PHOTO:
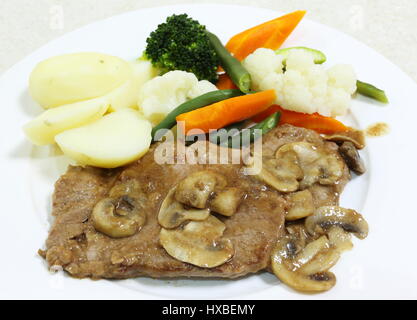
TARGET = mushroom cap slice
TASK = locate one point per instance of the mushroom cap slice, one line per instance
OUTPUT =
(282, 262)
(227, 201)
(299, 165)
(283, 173)
(357, 137)
(196, 189)
(340, 239)
(352, 158)
(327, 252)
(317, 164)
(118, 217)
(302, 205)
(321, 262)
(311, 250)
(328, 216)
(198, 243)
(172, 213)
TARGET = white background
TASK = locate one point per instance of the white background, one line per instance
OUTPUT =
(389, 26)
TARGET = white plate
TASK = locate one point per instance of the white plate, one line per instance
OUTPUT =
(382, 266)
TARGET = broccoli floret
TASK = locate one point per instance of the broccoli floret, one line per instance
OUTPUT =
(181, 43)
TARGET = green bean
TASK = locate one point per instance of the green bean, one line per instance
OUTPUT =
(371, 91)
(219, 135)
(265, 126)
(193, 104)
(239, 75)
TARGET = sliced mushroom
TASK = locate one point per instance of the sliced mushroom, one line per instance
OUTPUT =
(302, 258)
(282, 173)
(318, 256)
(299, 165)
(321, 262)
(173, 213)
(331, 169)
(352, 158)
(357, 137)
(328, 216)
(284, 265)
(198, 243)
(317, 164)
(118, 217)
(340, 239)
(227, 201)
(302, 205)
(196, 189)
(311, 250)
(299, 234)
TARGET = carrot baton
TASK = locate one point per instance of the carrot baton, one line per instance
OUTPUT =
(315, 121)
(199, 102)
(223, 113)
(225, 83)
(270, 34)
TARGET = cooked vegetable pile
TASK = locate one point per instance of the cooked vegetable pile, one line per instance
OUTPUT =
(105, 111)
(302, 86)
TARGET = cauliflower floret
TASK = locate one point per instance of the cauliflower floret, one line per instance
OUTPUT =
(342, 76)
(300, 61)
(262, 64)
(162, 94)
(339, 99)
(304, 86)
(295, 92)
(202, 87)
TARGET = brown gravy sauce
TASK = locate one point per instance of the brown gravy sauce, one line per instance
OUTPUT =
(377, 129)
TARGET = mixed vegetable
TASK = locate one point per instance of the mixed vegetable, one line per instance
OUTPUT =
(193, 104)
(233, 136)
(187, 75)
(225, 112)
(315, 121)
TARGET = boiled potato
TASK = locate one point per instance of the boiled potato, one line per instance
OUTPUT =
(127, 94)
(43, 129)
(121, 97)
(76, 77)
(115, 140)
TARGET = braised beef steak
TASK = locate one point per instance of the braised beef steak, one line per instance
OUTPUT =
(74, 244)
